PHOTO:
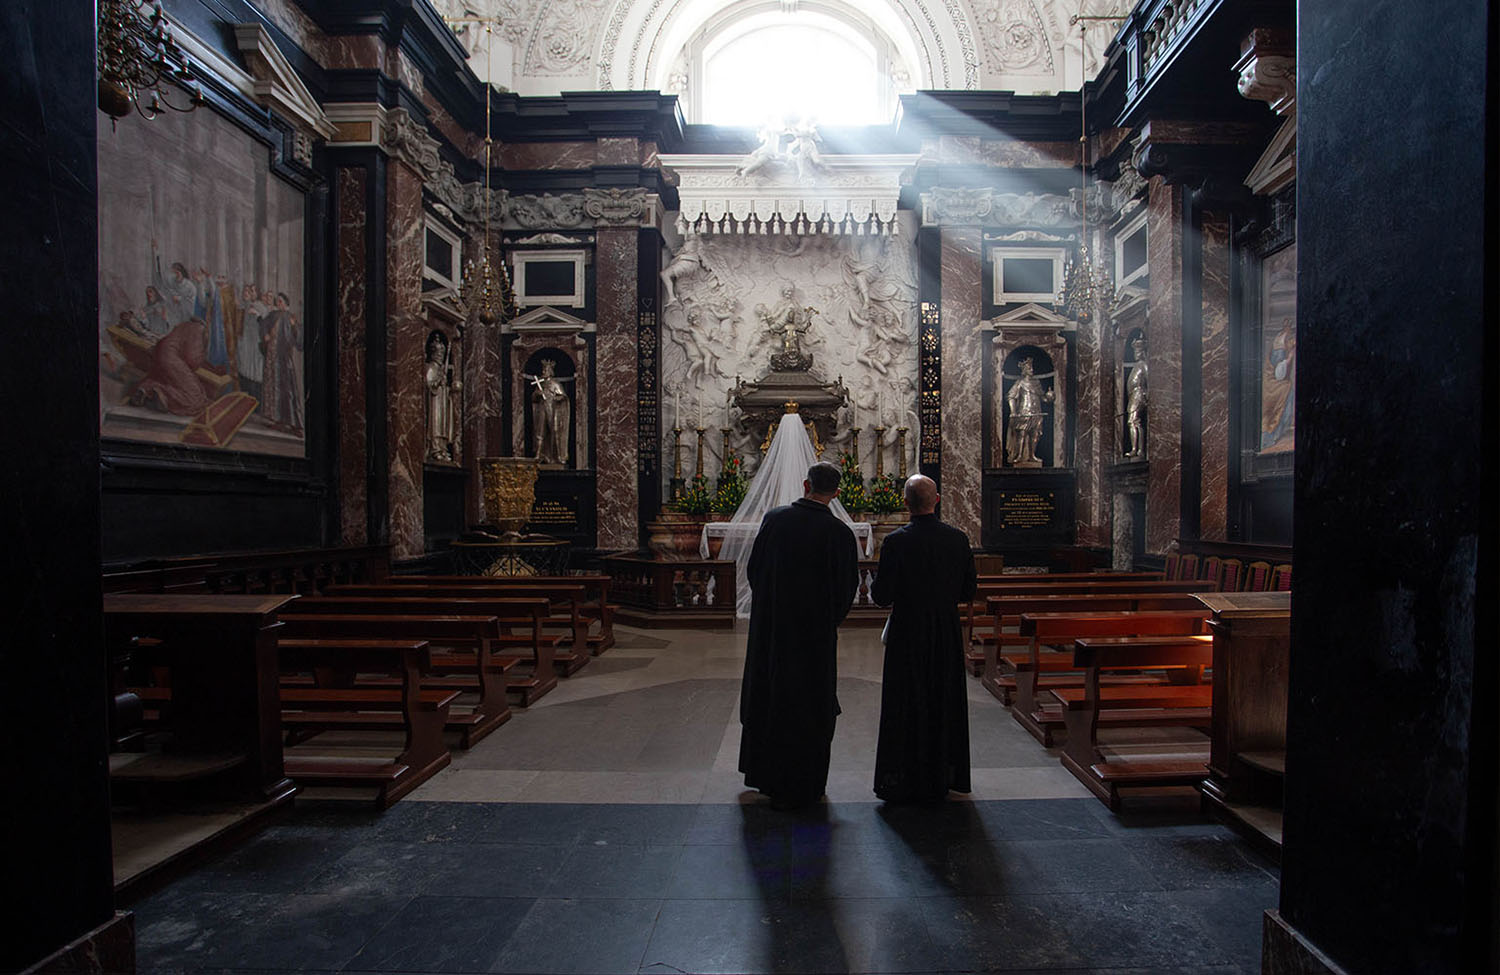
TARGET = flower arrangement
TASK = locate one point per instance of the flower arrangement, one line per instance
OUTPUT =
(697, 498)
(886, 495)
(731, 489)
(851, 485)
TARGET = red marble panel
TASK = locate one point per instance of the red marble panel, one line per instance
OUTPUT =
(963, 347)
(352, 254)
(467, 142)
(406, 332)
(619, 152)
(1214, 491)
(615, 376)
(354, 51)
(547, 155)
(1164, 358)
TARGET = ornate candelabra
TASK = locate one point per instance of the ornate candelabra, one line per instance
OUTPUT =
(901, 452)
(676, 461)
(701, 431)
(724, 432)
(880, 451)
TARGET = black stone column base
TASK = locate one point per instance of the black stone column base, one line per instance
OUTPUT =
(109, 949)
(1285, 951)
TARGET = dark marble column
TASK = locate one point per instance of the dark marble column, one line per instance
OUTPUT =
(1094, 446)
(352, 247)
(1389, 863)
(58, 875)
(406, 332)
(1164, 356)
(615, 274)
(1214, 466)
(963, 395)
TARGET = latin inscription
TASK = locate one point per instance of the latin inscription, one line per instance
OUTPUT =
(547, 511)
(1022, 510)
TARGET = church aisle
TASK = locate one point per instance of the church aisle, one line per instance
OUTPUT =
(605, 830)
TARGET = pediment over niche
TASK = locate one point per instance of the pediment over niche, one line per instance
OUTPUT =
(545, 318)
(275, 83)
(1277, 166)
(1032, 316)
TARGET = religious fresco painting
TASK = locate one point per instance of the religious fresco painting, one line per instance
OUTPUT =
(1278, 362)
(201, 299)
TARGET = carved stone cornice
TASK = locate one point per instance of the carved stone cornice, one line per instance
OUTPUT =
(403, 137)
(1197, 154)
(982, 206)
(618, 207)
(1268, 69)
(545, 212)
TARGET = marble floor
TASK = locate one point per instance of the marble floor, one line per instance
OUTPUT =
(605, 830)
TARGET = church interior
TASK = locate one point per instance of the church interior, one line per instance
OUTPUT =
(401, 374)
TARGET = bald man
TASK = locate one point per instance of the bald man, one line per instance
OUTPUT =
(926, 571)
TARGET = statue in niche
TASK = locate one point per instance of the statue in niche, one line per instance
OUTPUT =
(441, 385)
(1026, 400)
(551, 415)
(787, 322)
(687, 260)
(1136, 401)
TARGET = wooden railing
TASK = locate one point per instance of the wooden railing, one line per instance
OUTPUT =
(302, 571)
(690, 585)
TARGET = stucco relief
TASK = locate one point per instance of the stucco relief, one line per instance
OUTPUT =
(563, 41)
(1015, 36)
(864, 292)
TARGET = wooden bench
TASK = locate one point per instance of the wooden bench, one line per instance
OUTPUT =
(1005, 646)
(335, 702)
(471, 637)
(992, 584)
(1086, 708)
(1078, 586)
(533, 648)
(1043, 671)
(569, 654)
(594, 606)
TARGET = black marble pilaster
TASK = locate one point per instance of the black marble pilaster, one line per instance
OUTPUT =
(930, 353)
(58, 875)
(1389, 864)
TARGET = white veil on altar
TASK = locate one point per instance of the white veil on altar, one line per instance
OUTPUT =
(778, 481)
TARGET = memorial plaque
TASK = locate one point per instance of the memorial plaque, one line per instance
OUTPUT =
(1028, 509)
(564, 507)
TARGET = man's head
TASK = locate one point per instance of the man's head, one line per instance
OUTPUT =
(822, 483)
(921, 494)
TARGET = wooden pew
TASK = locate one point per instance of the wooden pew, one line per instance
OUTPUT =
(1051, 671)
(534, 647)
(336, 702)
(1004, 653)
(1081, 583)
(474, 634)
(594, 606)
(567, 657)
(1086, 708)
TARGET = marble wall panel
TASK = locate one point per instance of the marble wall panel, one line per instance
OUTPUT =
(1164, 357)
(1005, 153)
(1214, 486)
(1122, 534)
(1093, 446)
(864, 291)
(352, 185)
(962, 378)
(618, 152)
(547, 155)
(615, 266)
(349, 51)
(406, 333)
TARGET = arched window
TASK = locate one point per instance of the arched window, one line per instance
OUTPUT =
(764, 62)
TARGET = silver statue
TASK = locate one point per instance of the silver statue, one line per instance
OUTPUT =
(441, 385)
(1136, 401)
(552, 415)
(1025, 399)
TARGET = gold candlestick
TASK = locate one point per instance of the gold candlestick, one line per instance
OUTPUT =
(701, 432)
(880, 451)
(676, 463)
(901, 451)
(724, 456)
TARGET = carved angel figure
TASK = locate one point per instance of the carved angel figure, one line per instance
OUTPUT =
(688, 260)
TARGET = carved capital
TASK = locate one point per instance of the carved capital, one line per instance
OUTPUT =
(1270, 78)
(404, 138)
(957, 205)
(617, 207)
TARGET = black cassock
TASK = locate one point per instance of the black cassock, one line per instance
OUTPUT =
(926, 570)
(803, 575)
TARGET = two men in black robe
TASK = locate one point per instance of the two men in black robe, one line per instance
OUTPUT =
(926, 570)
(803, 575)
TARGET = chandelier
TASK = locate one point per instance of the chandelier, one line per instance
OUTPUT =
(485, 288)
(1085, 285)
(139, 59)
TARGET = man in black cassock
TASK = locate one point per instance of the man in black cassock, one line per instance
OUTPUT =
(803, 574)
(926, 570)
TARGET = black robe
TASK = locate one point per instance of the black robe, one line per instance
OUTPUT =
(803, 574)
(926, 570)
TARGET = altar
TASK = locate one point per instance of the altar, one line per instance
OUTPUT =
(864, 537)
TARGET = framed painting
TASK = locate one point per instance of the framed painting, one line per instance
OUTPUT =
(1278, 352)
(202, 298)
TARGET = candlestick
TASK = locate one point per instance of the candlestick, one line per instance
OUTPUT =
(724, 432)
(854, 414)
(677, 407)
(880, 451)
(879, 409)
(726, 411)
(701, 431)
(901, 450)
(854, 446)
(676, 461)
